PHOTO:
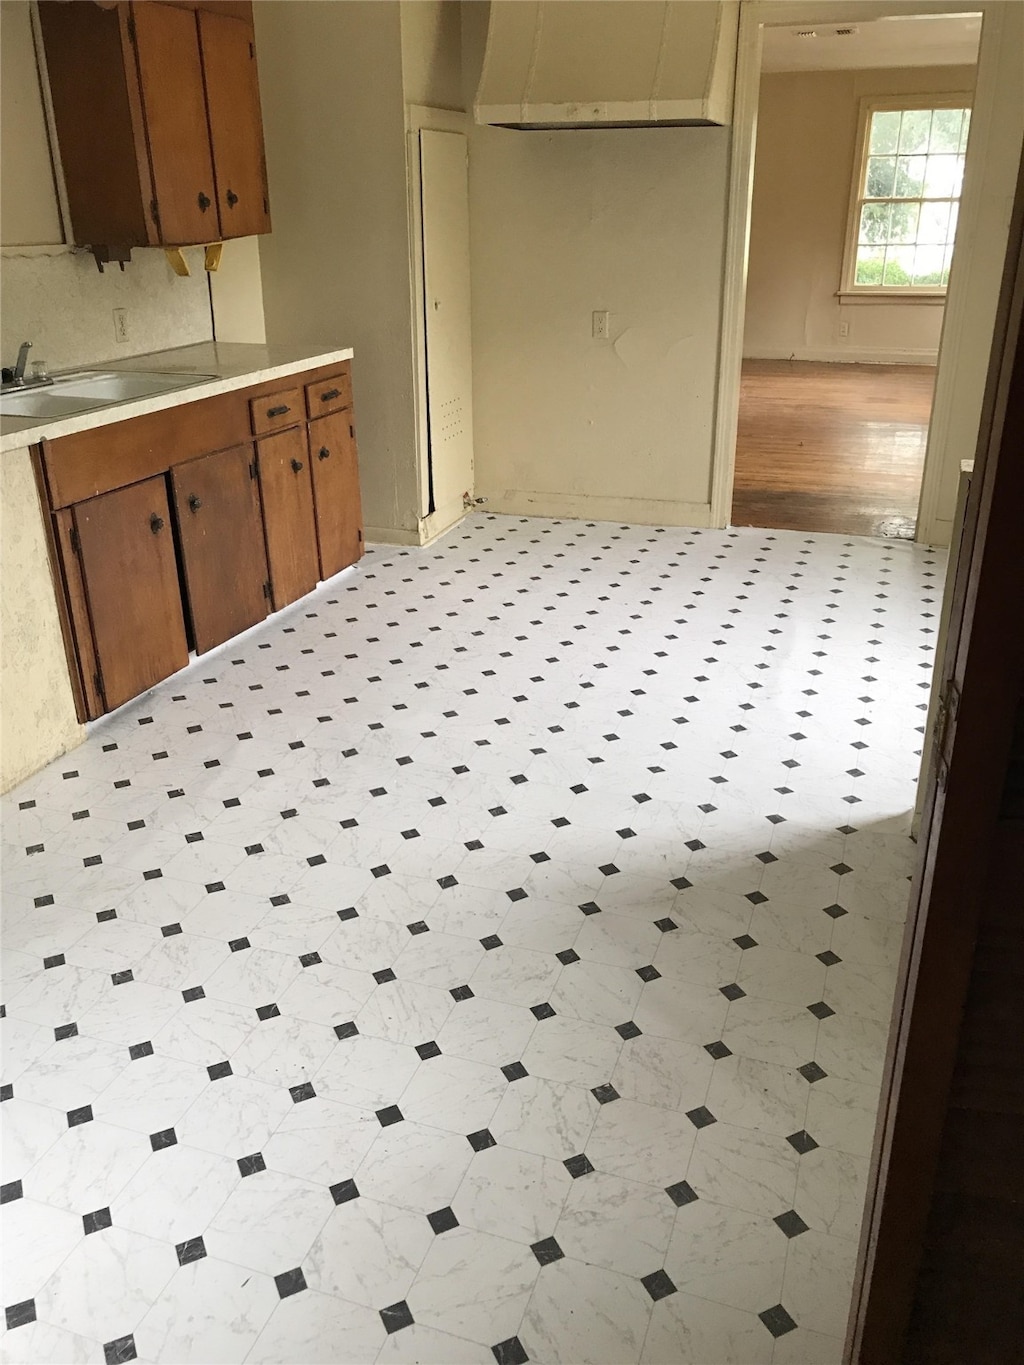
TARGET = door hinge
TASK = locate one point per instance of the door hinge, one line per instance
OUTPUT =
(154, 211)
(266, 591)
(130, 26)
(266, 205)
(253, 469)
(945, 724)
(76, 543)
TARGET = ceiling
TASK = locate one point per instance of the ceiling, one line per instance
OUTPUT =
(909, 40)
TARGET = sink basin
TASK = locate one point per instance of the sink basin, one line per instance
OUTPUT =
(88, 389)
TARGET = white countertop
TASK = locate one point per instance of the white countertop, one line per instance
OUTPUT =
(237, 365)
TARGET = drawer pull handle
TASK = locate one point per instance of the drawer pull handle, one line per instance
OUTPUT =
(328, 394)
(194, 503)
(297, 465)
(323, 453)
(204, 201)
(156, 524)
(279, 411)
(232, 199)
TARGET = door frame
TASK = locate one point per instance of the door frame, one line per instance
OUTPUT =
(755, 15)
(417, 118)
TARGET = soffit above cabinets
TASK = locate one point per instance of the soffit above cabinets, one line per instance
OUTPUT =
(608, 63)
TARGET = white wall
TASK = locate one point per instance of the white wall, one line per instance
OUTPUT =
(563, 223)
(335, 268)
(53, 296)
(807, 127)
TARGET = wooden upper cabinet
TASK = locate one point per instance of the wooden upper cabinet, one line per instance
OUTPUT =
(236, 125)
(157, 116)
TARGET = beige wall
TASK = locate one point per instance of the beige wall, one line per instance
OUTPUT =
(28, 199)
(806, 145)
(336, 267)
(563, 223)
(432, 53)
(37, 710)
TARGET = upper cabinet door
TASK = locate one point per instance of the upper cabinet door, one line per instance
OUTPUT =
(236, 126)
(171, 80)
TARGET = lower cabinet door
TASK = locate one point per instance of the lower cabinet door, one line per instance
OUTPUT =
(288, 517)
(129, 569)
(339, 517)
(217, 504)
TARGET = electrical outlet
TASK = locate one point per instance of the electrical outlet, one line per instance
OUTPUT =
(601, 325)
(120, 324)
(844, 331)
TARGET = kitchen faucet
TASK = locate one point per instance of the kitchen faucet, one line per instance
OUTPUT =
(16, 373)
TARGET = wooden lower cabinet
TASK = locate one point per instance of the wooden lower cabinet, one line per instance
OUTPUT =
(220, 529)
(125, 576)
(288, 518)
(335, 464)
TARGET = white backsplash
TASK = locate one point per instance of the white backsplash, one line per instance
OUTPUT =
(57, 299)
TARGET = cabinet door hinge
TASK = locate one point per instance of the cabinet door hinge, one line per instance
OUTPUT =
(266, 204)
(266, 591)
(97, 678)
(360, 535)
(130, 26)
(253, 469)
(154, 211)
(76, 544)
(252, 52)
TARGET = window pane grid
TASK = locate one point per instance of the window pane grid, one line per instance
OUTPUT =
(907, 209)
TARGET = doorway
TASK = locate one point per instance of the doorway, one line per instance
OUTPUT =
(861, 141)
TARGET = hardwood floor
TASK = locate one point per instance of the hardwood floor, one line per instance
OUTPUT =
(824, 447)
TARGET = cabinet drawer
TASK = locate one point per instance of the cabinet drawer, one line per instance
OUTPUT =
(276, 411)
(330, 394)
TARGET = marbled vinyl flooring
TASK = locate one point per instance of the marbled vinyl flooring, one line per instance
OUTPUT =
(487, 959)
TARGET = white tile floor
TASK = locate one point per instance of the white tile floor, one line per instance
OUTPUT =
(487, 959)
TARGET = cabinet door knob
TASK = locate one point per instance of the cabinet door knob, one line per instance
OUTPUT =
(194, 503)
(328, 394)
(156, 523)
(204, 201)
(323, 453)
(279, 411)
(232, 199)
(297, 465)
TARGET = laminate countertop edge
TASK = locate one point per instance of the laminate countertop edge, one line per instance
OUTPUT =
(236, 365)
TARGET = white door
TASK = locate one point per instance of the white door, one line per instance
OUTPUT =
(444, 190)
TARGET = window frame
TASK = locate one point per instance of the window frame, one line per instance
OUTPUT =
(849, 291)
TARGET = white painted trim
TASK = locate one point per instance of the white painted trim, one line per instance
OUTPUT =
(417, 117)
(441, 520)
(585, 507)
(835, 355)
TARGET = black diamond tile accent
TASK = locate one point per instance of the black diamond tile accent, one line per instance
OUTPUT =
(578, 1165)
(290, 1282)
(383, 976)
(11, 1191)
(350, 912)
(733, 991)
(344, 1191)
(567, 956)
(745, 941)
(428, 1050)
(120, 1350)
(219, 1070)
(78, 1116)
(609, 869)
(96, 1221)
(681, 1193)
(122, 978)
(396, 1316)
(514, 1071)
(382, 871)
(265, 1012)
(547, 1250)
(346, 1030)
(6, 1092)
(239, 945)
(138, 1050)
(658, 1285)
(590, 908)
(777, 1320)
(542, 1011)
(310, 960)
(302, 1092)
(491, 941)
(251, 1165)
(628, 1030)
(718, 1050)
(841, 869)
(666, 925)
(835, 911)
(167, 1137)
(169, 930)
(820, 1010)
(604, 1094)
(63, 1031)
(766, 857)
(442, 1220)
(194, 1249)
(20, 1314)
(479, 1141)
(756, 897)
(681, 883)
(702, 1117)
(828, 957)
(510, 1352)
(812, 1072)
(801, 1142)
(516, 894)
(461, 993)
(389, 1115)
(790, 1223)
(648, 973)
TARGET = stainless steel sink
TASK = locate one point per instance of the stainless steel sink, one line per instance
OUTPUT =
(89, 389)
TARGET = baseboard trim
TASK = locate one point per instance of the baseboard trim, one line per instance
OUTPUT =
(846, 354)
(586, 507)
(390, 535)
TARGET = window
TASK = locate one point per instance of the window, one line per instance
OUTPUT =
(906, 197)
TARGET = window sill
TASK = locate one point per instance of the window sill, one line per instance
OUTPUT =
(889, 296)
